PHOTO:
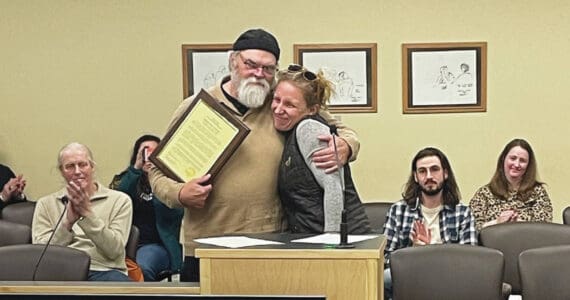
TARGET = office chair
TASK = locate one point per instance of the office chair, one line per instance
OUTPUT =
(22, 212)
(376, 212)
(132, 243)
(545, 273)
(14, 233)
(513, 238)
(448, 271)
(131, 252)
(165, 274)
(59, 263)
(566, 215)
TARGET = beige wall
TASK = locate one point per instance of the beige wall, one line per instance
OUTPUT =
(103, 72)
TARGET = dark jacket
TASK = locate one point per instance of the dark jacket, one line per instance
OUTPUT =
(167, 220)
(303, 198)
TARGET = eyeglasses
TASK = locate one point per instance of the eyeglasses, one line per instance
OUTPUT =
(308, 75)
(251, 65)
(71, 167)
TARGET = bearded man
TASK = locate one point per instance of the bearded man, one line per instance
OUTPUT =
(243, 198)
(430, 212)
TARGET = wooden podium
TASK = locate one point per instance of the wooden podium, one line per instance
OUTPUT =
(294, 269)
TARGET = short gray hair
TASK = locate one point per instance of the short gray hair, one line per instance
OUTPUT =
(74, 146)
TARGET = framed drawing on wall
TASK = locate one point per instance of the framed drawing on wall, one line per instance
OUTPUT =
(203, 65)
(444, 77)
(350, 67)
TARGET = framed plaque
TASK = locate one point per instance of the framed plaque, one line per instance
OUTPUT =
(201, 141)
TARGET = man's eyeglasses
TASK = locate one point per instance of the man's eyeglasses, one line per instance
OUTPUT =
(251, 65)
(308, 75)
(71, 167)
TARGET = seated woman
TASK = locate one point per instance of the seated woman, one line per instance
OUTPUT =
(159, 226)
(11, 187)
(312, 200)
(514, 193)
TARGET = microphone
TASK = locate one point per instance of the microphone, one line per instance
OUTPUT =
(64, 199)
(334, 131)
(344, 244)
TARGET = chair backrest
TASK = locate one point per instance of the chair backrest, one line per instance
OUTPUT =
(376, 212)
(59, 263)
(14, 233)
(566, 215)
(22, 212)
(545, 273)
(514, 238)
(132, 242)
(448, 271)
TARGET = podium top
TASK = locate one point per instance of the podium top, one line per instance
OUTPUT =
(372, 248)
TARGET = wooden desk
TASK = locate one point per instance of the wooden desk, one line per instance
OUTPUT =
(294, 269)
(91, 287)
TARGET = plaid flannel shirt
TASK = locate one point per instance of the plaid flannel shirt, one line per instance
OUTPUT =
(456, 225)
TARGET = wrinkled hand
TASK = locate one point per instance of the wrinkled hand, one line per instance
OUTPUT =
(507, 216)
(71, 216)
(194, 193)
(78, 205)
(326, 158)
(79, 198)
(421, 235)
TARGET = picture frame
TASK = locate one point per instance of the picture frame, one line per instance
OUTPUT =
(203, 65)
(352, 67)
(444, 77)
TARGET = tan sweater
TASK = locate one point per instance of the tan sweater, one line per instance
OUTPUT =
(103, 235)
(244, 197)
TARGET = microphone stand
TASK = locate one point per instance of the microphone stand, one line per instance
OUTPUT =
(344, 244)
(64, 200)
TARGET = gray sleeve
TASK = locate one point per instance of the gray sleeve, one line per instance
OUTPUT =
(307, 133)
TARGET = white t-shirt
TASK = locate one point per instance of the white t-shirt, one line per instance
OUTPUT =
(431, 220)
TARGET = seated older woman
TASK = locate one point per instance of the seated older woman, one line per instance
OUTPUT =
(312, 199)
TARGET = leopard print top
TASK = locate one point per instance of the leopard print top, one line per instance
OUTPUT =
(487, 207)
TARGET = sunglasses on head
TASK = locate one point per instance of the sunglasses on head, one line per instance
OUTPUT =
(308, 75)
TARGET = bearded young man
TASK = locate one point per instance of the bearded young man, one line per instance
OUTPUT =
(243, 198)
(429, 213)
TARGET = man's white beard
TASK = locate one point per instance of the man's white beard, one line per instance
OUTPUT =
(252, 92)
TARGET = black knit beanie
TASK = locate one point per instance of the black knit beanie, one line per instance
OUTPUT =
(258, 39)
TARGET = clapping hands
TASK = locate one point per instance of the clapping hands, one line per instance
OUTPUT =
(421, 235)
(14, 188)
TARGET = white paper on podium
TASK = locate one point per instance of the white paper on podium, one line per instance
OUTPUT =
(333, 238)
(235, 241)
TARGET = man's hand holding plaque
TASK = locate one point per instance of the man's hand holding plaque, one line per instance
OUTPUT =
(195, 192)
